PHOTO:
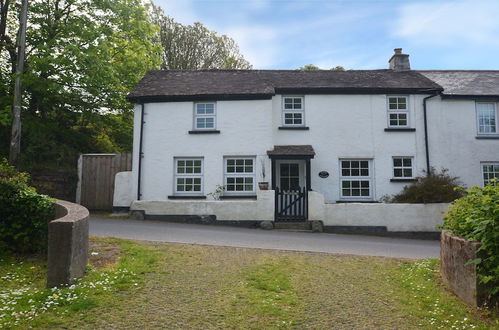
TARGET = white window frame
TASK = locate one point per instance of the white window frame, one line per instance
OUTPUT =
(240, 175)
(196, 116)
(293, 111)
(187, 176)
(482, 166)
(368, 178)
(398, 111)
(478, 119)
(403, 167)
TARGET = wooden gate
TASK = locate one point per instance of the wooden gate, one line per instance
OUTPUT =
(291, 205)
(96, 178)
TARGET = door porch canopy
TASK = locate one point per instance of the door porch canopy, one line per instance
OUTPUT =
(291, 152)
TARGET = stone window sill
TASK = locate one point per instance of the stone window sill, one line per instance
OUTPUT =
(487, 137)
(294, 128)
(214, 131)
(403, 179)
(238, 197)
(393, 129)
(185, 197)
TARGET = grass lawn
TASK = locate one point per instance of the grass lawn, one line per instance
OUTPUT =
(148, 285)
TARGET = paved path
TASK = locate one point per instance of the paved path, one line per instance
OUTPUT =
(257, 238)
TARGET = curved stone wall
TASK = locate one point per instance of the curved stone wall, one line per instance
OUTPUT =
(67, 244)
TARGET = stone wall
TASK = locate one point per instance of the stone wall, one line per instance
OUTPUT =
(57, 183)
(67, 244)
(455, 252)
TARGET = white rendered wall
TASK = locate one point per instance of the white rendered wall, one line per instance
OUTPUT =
(453, 143)
(352, 126)
(260, 209)
(341, 126)
(245, 130)
(123, 193)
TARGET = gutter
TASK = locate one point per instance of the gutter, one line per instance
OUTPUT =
(140, 149)
(427, 148)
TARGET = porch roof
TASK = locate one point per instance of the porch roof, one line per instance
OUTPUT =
(305, 151)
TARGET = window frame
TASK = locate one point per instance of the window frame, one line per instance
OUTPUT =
(402, 167)
(482, 165)
(478, 119)
(369, 178)
(227, 175)
(398, 111)
(177, 175)
(196, 116)
(292, 111)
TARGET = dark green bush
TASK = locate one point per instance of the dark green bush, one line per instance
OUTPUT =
(476, 217)
(24, 214)
(431, 188)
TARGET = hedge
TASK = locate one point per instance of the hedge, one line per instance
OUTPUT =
(476, 217)
(24, 214)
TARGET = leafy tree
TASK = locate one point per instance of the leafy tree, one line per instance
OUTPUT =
(83, 57)
(192, 47)
(309, 67)
(313, 67)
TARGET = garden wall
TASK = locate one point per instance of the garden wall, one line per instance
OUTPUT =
(395, 217)
(455, 252)
(67, 244)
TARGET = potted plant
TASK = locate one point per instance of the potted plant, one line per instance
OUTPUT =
(263, 185)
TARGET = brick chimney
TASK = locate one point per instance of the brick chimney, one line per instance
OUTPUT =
(399, 61)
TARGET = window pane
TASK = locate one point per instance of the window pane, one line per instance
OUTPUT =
(364, 172)
(407, 173)
(397, 162)
(407, 162)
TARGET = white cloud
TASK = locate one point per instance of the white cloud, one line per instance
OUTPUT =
(258, 44)
(450, 22)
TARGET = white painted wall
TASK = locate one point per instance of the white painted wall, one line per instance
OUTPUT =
(123, 193)
(341, 126)
(260, 209)
(453, 143)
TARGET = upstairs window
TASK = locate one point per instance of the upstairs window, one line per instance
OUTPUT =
(487, 118)
(293, 112)
(188, 176)
(490, 171)
(204, 116)
(402, 168)
(239, 175)
(398, 111)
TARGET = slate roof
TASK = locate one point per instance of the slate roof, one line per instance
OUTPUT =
(172, 85)
(466, 82)
(292, 150)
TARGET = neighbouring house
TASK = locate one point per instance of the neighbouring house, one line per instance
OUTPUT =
(329, 143)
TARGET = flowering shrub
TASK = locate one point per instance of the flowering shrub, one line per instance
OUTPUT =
(476, 217)
(24, 214)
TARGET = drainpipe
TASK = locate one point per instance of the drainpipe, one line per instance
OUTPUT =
(139, 170)
(426, 132)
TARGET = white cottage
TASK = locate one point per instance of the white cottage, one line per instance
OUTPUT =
(325, 141)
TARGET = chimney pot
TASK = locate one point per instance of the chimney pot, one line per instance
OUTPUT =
(398, 51)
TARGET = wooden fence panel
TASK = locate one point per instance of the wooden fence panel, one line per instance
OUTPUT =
(97, 174)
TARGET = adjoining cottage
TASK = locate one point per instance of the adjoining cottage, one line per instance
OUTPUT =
(321, 139)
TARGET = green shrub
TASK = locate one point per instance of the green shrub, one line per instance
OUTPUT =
(431, 188)
(476, 217)
(24, 214)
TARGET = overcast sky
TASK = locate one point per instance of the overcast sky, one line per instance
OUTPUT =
(357, 34)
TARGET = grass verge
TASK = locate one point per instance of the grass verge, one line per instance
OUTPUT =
(156, 285)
